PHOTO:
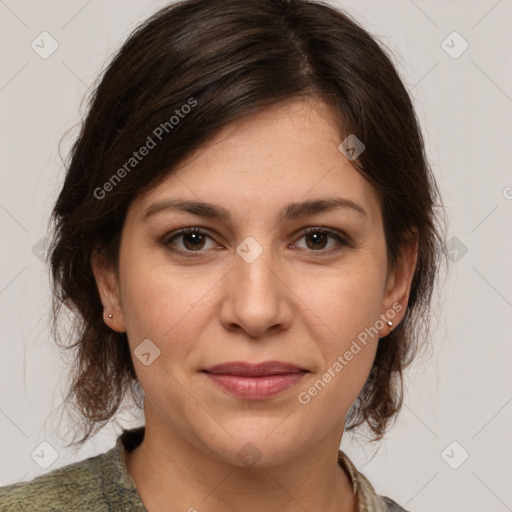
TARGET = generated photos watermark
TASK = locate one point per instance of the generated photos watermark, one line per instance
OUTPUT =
(305, 397)
(151, 142)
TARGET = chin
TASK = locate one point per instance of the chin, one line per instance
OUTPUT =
(260, 445)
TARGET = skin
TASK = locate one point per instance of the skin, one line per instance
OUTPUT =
(291, 304)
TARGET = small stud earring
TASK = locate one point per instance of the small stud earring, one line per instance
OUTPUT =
(390, 323)
(111, 315)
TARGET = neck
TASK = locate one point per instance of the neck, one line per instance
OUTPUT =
(172, 474)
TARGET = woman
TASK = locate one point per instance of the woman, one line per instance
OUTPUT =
(246, 234)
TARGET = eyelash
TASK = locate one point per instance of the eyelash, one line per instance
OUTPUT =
(342, 241)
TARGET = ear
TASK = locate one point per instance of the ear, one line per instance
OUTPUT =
(399, 279)
(108, 288)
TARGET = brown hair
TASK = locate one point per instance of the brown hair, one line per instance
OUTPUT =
(228, 58)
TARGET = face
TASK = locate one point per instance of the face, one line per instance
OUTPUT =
(265, 281)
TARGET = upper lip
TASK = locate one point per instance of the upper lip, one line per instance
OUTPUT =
(254, 370)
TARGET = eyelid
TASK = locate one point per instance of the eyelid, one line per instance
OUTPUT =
(167, 238)
(341, 237)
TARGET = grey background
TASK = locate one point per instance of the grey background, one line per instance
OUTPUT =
(461, 391)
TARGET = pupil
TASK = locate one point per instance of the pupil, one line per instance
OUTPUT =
(196, 238)
(318, 238)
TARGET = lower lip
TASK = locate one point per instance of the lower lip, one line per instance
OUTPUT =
(255, 388)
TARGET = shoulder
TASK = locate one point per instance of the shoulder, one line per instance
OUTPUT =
(368, 500)
(391, 506)
(77, 486)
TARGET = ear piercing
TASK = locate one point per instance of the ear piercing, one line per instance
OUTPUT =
(111, 315)
(390, 323)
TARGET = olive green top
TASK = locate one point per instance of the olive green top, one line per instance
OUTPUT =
(103, 484)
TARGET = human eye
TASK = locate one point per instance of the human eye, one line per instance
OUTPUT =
(317, 239)
(193, 240)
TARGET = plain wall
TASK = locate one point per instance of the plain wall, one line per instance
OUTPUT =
(460, 392)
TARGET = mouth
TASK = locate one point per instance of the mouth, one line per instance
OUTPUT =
(244, 369)
(255, 381)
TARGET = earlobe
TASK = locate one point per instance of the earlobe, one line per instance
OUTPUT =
(108, 289)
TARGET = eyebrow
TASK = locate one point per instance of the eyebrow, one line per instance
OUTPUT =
(290, 212)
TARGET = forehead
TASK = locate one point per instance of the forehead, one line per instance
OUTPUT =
(292, 126)
(286, 153)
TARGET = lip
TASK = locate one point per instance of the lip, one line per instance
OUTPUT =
(255, 381)
(245, 369)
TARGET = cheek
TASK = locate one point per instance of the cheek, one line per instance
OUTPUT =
(348, 307)
(163, 302)
(345, 302)
(346, 356)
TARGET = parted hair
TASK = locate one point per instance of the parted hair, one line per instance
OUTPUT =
(226, 59)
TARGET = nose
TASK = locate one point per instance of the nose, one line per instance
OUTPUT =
(256, 298)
